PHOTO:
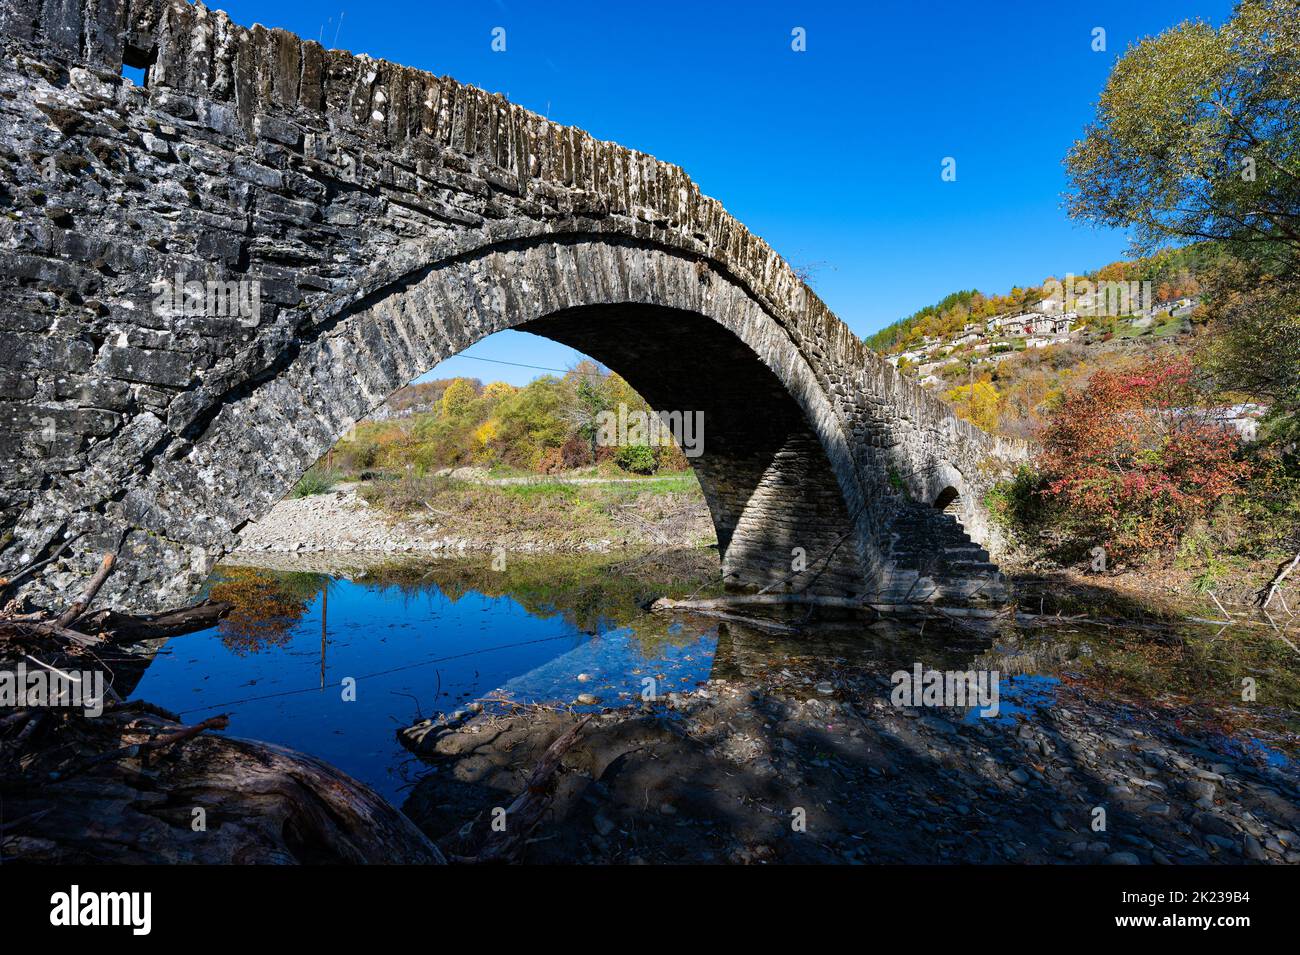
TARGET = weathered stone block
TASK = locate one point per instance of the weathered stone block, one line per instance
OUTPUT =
(148, 366)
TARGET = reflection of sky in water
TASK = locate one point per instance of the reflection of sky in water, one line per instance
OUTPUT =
(616, 666)
(418, 652)
(405, 650)
(1255, 749)
(1018, 696)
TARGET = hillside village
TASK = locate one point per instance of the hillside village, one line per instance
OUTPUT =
(1004, 336)
(1003, 371)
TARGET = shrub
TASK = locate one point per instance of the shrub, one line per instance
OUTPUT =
(358, 455)
(637, 458)
(1018, 505)
(316, 481)
(672, 458)
(1133, 460)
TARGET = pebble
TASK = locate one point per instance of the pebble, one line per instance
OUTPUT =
(1252, 849)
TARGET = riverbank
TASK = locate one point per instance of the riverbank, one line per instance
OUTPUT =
(445, 516)
(801, 758)
(709, 741)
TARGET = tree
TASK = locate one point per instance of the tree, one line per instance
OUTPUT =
(530, 422)
(1197, 136)
(460, 394)
(589, 403)
(976, 403)
(1254, 345)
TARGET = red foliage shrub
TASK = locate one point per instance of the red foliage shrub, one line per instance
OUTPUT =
(573, 453)
(1134, 457)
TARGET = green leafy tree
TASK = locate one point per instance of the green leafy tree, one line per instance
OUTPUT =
(1197, 135)
(590, 399)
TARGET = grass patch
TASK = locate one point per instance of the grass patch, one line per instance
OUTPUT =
(558, 513)
(315, 481)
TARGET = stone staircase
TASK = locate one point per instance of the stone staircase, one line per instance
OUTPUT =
(933, 558)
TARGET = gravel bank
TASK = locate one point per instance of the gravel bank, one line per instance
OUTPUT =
(813, 763)
(341, 522)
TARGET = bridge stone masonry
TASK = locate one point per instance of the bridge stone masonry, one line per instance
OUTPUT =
(383, 219)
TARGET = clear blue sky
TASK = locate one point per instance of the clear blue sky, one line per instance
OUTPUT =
(832, 155)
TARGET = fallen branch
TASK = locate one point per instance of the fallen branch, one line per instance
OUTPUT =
(750, 600)
(749, 620)
(218, 722)
(712, 608)
(140, 749)
(53, 629)
(123, 627)
(110, 694)
(80, 605)
(525, 812)
(923, 609)
(1270, 590)
(30, 569)
(24, 820)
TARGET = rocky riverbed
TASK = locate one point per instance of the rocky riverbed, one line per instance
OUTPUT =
(339, 522)
(808, 760)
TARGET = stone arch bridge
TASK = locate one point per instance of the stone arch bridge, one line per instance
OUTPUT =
(387, 219)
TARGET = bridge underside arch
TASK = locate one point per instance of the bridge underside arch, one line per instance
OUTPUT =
(390, 219)
(769, 485)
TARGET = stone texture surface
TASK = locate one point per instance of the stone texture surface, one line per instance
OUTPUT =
(388, 218)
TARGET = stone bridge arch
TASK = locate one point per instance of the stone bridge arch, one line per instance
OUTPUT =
(388, 218)
(776, 470)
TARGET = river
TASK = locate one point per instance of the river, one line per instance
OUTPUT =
(334, 663)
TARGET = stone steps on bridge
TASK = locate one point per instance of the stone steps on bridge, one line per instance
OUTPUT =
(933, 558)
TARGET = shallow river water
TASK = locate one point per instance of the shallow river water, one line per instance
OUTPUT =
(411, 652)
(333, 665)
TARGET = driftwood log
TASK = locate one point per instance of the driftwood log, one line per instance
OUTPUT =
(157, 792)
(524, 812)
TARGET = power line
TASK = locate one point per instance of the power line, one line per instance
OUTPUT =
(390, 670)
(516, 364)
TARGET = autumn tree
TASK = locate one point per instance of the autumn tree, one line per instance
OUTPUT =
(977, 403)
(1133, 457)
(457, 398)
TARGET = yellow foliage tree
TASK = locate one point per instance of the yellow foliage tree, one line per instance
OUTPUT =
(457, 397)
(976, 403)
(498, 390)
